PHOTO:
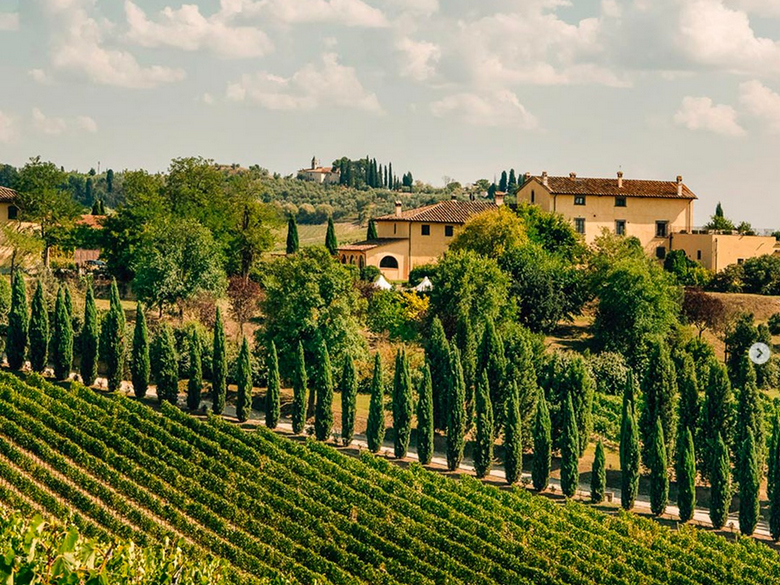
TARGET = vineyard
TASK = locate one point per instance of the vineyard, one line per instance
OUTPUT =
(277, 510)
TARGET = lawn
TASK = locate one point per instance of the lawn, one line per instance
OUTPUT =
(312, 235)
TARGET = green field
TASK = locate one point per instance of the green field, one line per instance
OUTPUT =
(312, 235)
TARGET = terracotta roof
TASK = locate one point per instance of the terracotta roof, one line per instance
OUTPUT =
(318, 170)
(448, 211)
(7, 195)
(93, 221)
(366, 245)
(609, 187)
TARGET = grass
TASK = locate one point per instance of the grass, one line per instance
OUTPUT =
(313, 235)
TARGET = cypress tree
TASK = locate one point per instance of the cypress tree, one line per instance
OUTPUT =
(570, 451)
(273, 395)
(467, 344)
(62, 338)
(300, 392)
(686, 474)
(716, 416)
(371, 234)
(292, 236)
(749, 482)
(89, 340)
(629, 448)
(113, 333)
(659, 477)
(68, 303)
(688, 386)
(244, 383)
(774, 445)
(39, 331)
(116, 301)
(483, 451)
(375, 426)
(195, 382)
(403, 405)
(598, 476)
(750, 412)
(580, 386)
(720, 480)
(218, 367)
(167, 374)
(513, 436)
(492, 359)
(323, 413)
(456, 413)
(542, 432)
(774, 497)
(503, 183)
(438, 352)
(16, 339)
(139, 365)
(331, 243)
(348, 389)
(660, 389)
(425, 418)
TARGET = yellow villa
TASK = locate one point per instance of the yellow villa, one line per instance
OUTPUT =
(8, 209)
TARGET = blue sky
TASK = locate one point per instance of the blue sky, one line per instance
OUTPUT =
(453, 88)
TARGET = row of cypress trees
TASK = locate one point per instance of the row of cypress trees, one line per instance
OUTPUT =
(293, 241)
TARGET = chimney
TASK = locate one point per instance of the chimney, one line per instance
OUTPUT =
(453, 197)
(572, 176)
(499, 198)
(679, 185)
(620, 179)
(526, 178)
(544, 179)
(398, 209)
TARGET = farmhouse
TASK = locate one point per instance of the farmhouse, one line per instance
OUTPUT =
(8, 209)
(320, 174)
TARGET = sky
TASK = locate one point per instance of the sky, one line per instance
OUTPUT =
(444, 88)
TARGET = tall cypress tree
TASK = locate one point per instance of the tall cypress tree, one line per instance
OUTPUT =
(167, 365)
(331, 243)
(774, 446)
(598, 477)
(244, 383)
(375, 426)
(116, 301)
(492, 359)
(218, 367)
(39, 331)
(467, 344)
(749, 482)
(580, 386)
(750, 411)
(438, 352)
(686, 474)
(774, 497)
(483, 450)
(542, 434)
(292, 236)
(371, 234)
(139, 365)
(68, 302)
(456, 413)
(570, 450)
(323, 414)
(89, 339)
(403, 405)
(688, 387)
(660, 389)
(195, 382)
(720, 480)
(425, 418)
(62, 338)
(113, 333)
(513, 437)
(300, 392)
(273, 394)
(629, 447)
(17, 337)
(348, 390)
(716, 416)
(659, 477)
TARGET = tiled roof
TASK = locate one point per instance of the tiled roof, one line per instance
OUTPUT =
(365, 245)
(609, 187)
(89, 220)
(443, 212)
(7, 195)
(318, 170)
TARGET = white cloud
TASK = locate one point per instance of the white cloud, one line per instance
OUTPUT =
(87, 124)
(611, 8)
(322, 84)
(55, 126)
(187, 29)
(761, 102)
(498, 109)
(207, 99)
(9, 21)
(414, 7)
(770, 8)
(419, 58)
(7, 128)
(352, 13)
(40, 76)
(700, 113)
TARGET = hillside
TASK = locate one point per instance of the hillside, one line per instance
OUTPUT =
(276, 508)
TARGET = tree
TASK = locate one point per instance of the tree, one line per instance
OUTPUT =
(483, 450)
(39, 331)
(68, 303)
(371, 233)
(511, 184)
(598, 478)
(719, 222)
(219, 367)
(89, 339)
(323, 415)
(139, 365)
(542, 435)
(739, 337)
(716, 417)
(750, 411)
(492, 362)
(467, 344)
(110, 181)
(62, 338)
(688, 387)
(456, 413)
(659, 478)
(749, 483)
(244, 296)
(167, 366)
(244, 384)
(116, 301)
(503, 183)
(660, 390)
(114, 335)
(570, 450)
(348, 388)
(375, 426)
(629, 448)
(195, 382)
(704, 311)
(438, 354)
(774, 471)
(774, 445)
(331, 243)
(686, 474)
(292, 236)
(300, 392)
(403, 405)
(720, 479)
(492, 233)
(16, 341)
(425, 431)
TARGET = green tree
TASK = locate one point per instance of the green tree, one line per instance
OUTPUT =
(456, 413)
(598, 478)
(425, 432)
(62, 338)
(273, 394)
(542, 435)
(660, 390)
(68, 302)
(716, 417)
(688, 386)
(629, 448)
(89, 339)
(403, 405)
(774, 447)
(438, 353)
(774, 493)
(739, 337)
(16, 340)
(750, 411)
(720, 480)
(492, 362)
(375, 426)
(39, 331)
(195, 381)
(244, 384)
(116, 301)
(323, 415)
(483, 450)
(167, 366)
(467, 344)
(749, 483)
(292, 236)
(659, 477)
(110, 181)
(570, 450)
(114, 336)
(491, 234)
(686, 474)
(371, 233)
(719, 221)
(331, 243)
(140, 365)
(300, 392)
(348, 388)
(218, 367)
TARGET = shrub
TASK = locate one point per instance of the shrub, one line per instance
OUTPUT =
(774, 324)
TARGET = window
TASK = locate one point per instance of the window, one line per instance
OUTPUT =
(426, 230)
(13, 212)
(579, 225)
(698, 254)
(533, 196)
(661, 228)
(660, 252)
(362, 263)
(343, 259)
(351, 259)
(388, 262)
(395, 228)
(620, 227)
(740, 261)
(448, 231)
(620, 201)
(579, 200)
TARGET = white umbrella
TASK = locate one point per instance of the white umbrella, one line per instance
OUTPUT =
(425, 286)
(382, 284)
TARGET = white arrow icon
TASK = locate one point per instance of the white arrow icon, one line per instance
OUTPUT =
(760, 353)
